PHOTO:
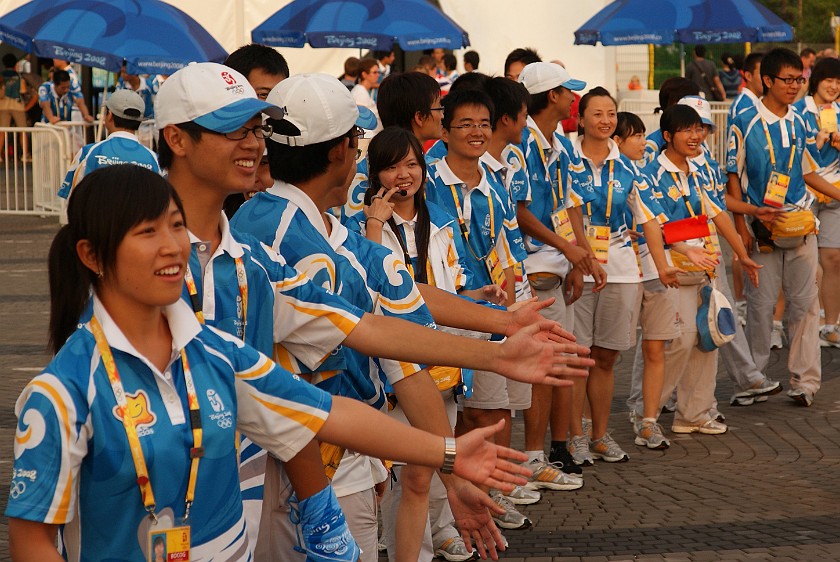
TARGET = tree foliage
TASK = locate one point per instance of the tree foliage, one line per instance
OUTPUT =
(810, 18)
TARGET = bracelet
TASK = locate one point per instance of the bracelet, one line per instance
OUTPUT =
(448, 455)
(376, 219)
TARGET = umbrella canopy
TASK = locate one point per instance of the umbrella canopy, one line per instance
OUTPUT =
(664, 22)
(361, 24)
(153, 37)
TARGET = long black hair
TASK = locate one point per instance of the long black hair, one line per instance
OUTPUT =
(105, 205)
(386, 149)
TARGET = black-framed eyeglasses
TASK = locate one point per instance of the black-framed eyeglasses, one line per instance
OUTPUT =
(790, 79)
(436, 109)
(260, 131)
(357, 132)
(470, 126)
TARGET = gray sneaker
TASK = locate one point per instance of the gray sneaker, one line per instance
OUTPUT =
(579, 448)
(750, 396)
(649, 434)
(454, 550)
(511, 518)
(550, 477)
(801, 397)
(606, 449)
(523, 495)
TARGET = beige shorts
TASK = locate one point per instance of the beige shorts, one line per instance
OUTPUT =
(829, 234)
(492, 391)
(657, 314)
(605, 319)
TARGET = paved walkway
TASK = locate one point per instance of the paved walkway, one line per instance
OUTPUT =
(767, 490)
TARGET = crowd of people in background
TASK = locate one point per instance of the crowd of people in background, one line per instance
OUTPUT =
(289, 330)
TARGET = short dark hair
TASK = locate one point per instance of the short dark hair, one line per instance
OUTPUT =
(379, 55)
(248, 57)
(674, 89)
(9, 60)
(351, 66)
(525, 55)
(461, 98)
(807, 52)
(366, 64)
(678, 117)
(824, 69)
(596, 92)
(751, 60)
(472, 58)
(123, 123)
(628, 124)
(700, 50)
(508, 97)
(450, 62)
(60, 76)
(299, 164)
(539, 101)
(774, 61)
(403, 95)
(165, 155)
(469, 80)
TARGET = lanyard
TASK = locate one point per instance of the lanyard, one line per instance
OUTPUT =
(678, 183)
(196, 451)
(462, 225)
(609, 196)
(558, 196)
(241, 280)
(773, 152)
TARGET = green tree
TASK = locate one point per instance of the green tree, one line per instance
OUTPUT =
(810, 18)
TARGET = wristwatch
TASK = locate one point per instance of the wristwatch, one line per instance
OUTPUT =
(448, 455)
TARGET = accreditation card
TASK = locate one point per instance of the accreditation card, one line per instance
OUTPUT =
(494, 267)
(599, 241)
(169, 544)
(563, 226)
(776, 191)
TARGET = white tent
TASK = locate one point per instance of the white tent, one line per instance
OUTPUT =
(495, 27)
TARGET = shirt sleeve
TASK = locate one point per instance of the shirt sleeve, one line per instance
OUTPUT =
(50, 443)
(735, 153)
(356, 193)
(574, 193)
(276, 409)
(44, 93)
(642, 202)
(74, 174)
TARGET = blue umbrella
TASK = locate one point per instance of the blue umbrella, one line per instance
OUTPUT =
(361, 24)
(664, 22)
(152, 36)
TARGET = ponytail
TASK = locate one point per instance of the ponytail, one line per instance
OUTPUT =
(70, 287)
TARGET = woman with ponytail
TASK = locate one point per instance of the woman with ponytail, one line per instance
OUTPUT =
(128, 436)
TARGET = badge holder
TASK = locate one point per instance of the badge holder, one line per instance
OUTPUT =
(494, 267)
(563, 225)
(170, 544)
(776, 191)
(599, 241)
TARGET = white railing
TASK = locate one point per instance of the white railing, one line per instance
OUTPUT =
(30, 185)
(717, 141)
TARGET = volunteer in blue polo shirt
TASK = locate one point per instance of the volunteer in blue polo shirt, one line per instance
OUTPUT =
(123, 115)
(768, 167)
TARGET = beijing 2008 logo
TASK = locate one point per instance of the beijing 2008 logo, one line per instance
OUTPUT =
(228, 78)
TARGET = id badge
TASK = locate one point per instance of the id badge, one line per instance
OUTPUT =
(713, 236)
(563, 226)
(599, 241)
(828, 119)
(494, 267)
(169, 544)
(776, 191)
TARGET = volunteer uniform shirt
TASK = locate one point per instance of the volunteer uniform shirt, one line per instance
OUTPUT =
(72, 461)
(366, 274)
(650, 199)
(356, 193)
(446, 266)
(745, 101)
(714, 175)
(61, 106)
(505, 174)
(75, 83)
(484, 213)
(624, 180)
(436, 152)
(549, 183)
(121, 147)
(827, 157)
(145, 92)
(748, 154)
(676, 191)
(654, 143)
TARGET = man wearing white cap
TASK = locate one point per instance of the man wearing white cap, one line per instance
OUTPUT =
(548, 208)
(312, 159)
(123, 115)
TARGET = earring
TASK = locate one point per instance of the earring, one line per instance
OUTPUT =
(100, 275)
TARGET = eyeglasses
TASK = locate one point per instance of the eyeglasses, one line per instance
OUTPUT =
(790, 80)
(260, 131)
(357, 132)
(358, 154)
(469, 126)
(691, 130)
(435, 109)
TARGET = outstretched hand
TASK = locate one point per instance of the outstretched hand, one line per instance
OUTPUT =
(543, 353)
(472, 510)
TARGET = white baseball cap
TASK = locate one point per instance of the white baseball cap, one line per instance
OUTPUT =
(701, 106)
(544, 76)
(211, 95)
(126, 104)
(319, 107)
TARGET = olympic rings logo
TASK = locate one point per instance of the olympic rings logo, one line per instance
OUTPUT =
(16, 489)
(225, 423)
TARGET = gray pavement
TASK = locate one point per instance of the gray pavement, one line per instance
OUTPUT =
(767, 490)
